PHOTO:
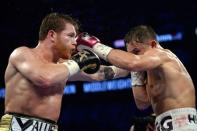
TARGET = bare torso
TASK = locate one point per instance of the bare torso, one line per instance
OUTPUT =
(169, 86)
(22, 96)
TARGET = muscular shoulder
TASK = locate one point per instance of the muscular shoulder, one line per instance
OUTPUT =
(20, 51)
(156, 51)
(163, 55)
(167, 55)
(19, 54)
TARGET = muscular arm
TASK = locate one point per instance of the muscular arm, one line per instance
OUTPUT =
(122, 59)
(104, 73)
(40, 73)
(138, 83)
(141, 97)
(134, 62)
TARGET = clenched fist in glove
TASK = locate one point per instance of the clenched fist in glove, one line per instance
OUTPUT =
(84, 60)
(85, 40)
(138, 78)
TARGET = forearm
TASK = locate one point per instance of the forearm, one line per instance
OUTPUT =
(138, 83)
(82, 76)
(104, 73)
(116, 57)
(123, 59)
(119, 72)
(119, 58)
(141, 98)
(49, 75)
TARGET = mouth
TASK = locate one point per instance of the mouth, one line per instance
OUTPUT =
(73, 51)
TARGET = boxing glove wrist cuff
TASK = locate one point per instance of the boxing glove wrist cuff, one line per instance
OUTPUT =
(115, 70)
(102, 50)
(72, 66)
(138, 78)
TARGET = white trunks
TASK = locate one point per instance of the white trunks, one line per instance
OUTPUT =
(182, 119)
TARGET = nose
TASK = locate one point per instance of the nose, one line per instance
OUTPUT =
(75, 41)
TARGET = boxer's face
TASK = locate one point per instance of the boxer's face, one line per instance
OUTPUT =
(136, 47)
(66, 41)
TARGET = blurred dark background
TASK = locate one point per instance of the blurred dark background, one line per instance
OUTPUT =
(109, 20)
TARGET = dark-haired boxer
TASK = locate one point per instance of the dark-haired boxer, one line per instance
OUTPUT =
(35, 78)
(159, 78)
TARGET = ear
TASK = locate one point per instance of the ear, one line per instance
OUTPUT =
(153, 43)
(51, 35)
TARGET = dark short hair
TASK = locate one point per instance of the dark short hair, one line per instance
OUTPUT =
(56, 22)
(140, 34)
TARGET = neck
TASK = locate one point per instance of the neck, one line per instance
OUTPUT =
(46, 51)
(158, 46)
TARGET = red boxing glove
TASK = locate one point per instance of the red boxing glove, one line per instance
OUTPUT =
(87, 40)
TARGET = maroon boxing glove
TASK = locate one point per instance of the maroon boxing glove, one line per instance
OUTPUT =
(86, 41)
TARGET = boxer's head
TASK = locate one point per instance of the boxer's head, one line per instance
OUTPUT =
(56, 22)
(60, 30)
(139, 39)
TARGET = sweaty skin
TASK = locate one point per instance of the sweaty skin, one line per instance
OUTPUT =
(22, 96)
(169, 85)
(34, 80)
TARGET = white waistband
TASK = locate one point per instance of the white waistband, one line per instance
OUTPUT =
(177, 112)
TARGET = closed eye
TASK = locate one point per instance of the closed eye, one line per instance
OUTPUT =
(135, 51)
(73, 35)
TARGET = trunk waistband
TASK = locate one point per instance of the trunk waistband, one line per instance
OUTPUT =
(21, 122)
(31, 117)
(182, 119)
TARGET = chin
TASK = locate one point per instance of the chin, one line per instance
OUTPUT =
(69, 57)
(66, 57)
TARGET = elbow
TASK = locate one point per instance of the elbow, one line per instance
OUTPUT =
(142, 105)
